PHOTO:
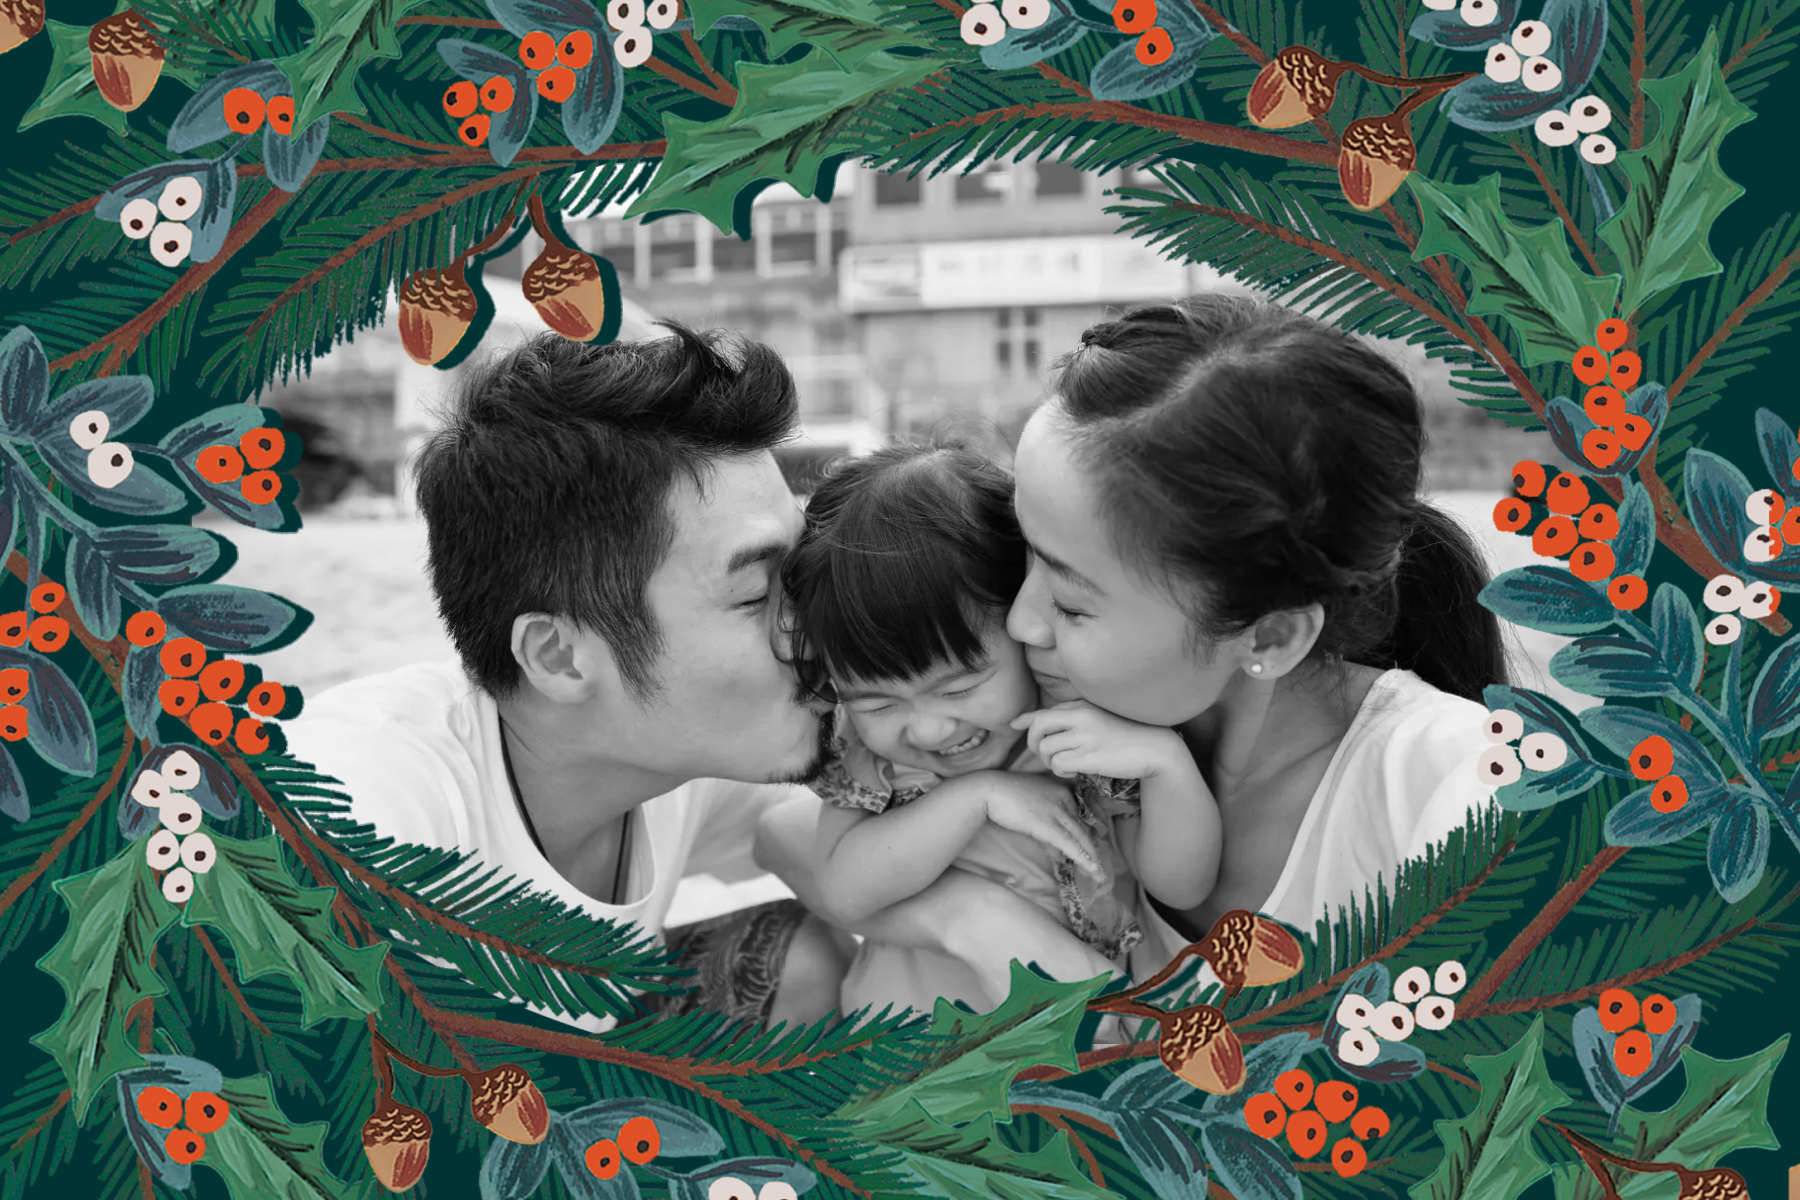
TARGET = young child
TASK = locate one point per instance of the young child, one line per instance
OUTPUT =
(898, 593)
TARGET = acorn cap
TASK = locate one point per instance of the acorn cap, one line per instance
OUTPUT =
(1716, 1183)
(1295, 86)
(397, 1141)
(564, 286)
(1376, 156)
(20, 21)
(1245, 949)
(1198, 1044)
(436, 309)
(127, 59)
(509, 1104)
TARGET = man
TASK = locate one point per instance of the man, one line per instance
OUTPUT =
(605, 529)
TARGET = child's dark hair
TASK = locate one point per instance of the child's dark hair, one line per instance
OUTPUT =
(906, 556)
(1271, 462)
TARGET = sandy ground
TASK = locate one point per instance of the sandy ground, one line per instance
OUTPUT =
(361, 573)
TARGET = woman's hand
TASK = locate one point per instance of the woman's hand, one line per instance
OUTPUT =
(1038, 808)
(1075, 738)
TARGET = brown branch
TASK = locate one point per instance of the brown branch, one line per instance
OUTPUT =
(676, 75)
(1528, 939)
(1256, 55)
(1777, 276)
(108, 655)
(212, 953)
(1441, 1069)
(37, 1126)
(394, 135)
(451, 22)
(1737, 60)
(1562, 210)
(705, 64)
(1637, 74)
(63, 840)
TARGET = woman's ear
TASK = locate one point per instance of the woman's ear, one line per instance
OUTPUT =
(561, 662)
(1282, 640)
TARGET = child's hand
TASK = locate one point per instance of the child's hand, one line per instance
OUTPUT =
(1075, 738)
(1037, 807)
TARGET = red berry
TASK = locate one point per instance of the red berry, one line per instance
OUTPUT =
(1348, 1157)
(212, 722)
(267, 699)
(1651, 758)
(461, 98)
(263, 447)
(178, 697)
(1599, 522)
(1592, 562)
(160, 1107)
(1611, 334)
(261, 487)
(1335, 1100)
(1134, 16)
(1604, 405)
(206, 1112)
(1295, 1088)
(182, 657)
(639, 1140)
(12, 629)
(1306, 1133)
(1659, 1014)
(1369, 1123)
(474, 130)
(145, 629)
(1511, 515)
(281, 114)
(1631, 1053)
(243, 110)
(1634, 431)
(1669, 795)
(1554, 537)
(15, 684)
(497, 94)
(576, 50)
(185, 1146)
(46, 596)
(557, 83)
(1566, 494)
(222, 680)
(1590, 365)
(1153, 49)
(1528, 477)
(1626, 369)
(252, 736)
(1601, 448)
(1628, 592)
(1265, 1115)
(15, 722)
(537, 50)
(49, 634)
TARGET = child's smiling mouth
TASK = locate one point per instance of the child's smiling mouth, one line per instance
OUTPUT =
(973, 742)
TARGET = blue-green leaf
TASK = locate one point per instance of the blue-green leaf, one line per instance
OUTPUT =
(1613, 666)
(1547, 598)
(1677, 631)
(24, 377)
(478, 64)
(202, 118)
(1578, 37)
(290, 158)
(221, 617)
(1248, 1166)
(1775, 702)
(1780, 453)
(1738, 850)
(1621, 729)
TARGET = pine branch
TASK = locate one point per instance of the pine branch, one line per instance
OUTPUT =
(1475, 1002)
(1773, 281)
(706, 68)
(37, 1127)
(394, 135)
(1562, 210)
(20, 885)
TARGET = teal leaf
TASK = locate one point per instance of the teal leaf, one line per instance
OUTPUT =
(1738, 849)
(158, 555)
(1775, 702)
(61, 729)
(1267, 1061)
(143, 493)
(1248, 1166)
(221, 426)
(1119, 76)
(1578, 38)
(1612, 1089)
(1613, 666)
(222, 617)
(1540, 714)
(123, 398)
(15, 801)
(1549, 599)
(24, 377)
(138, 689)
(346, 36)
(591, 113)
(183, 1076)
(1028, 47)
(290, 158)
(478, 64)
(513, 1170)
(202, 118)
(683, 1135)
(1677, 630)
(1634, 821)
(1165, 1155)
(1635, 542)
(1780, 453)
(1448, 29)
(1620, 729)
(568, 1149)
(849, 31)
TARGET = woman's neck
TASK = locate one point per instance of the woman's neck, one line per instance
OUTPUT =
(1257, 730)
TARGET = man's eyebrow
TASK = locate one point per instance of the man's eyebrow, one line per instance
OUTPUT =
(1063, 569)
(750, 556)
(948, 674)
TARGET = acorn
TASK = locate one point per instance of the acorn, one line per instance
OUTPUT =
(1247, 950)
(1377, 155)
(509, 1104)
(1296, 86)
(1718, 1183)
(20, 21)
(563, 284)
(436, 309)
(397, 1141)
(127, 59)
(1199, 1046)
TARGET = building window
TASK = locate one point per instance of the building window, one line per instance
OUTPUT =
(1016, 340)
(673, 260)
(986, 184)
(788, 249)
(624, 261)
(840, 238)
(895, 191)
(1059, 179)
(732, 255)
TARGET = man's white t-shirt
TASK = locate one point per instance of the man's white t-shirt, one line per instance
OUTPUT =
(418, 750)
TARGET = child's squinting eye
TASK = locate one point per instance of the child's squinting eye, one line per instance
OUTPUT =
(755, 602)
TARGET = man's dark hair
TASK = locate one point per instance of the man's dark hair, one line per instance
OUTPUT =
(546, 489)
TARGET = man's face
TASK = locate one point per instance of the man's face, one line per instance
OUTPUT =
(728, 704)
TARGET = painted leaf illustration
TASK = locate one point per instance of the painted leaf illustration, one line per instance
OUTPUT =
(232, 619)
(1611, 1088)
(1121, 76)
(1677, 630)
(1677, 192)
(1775, 438)
(1541, 714)
(1620, 728)
(222, 426)
(70, 90)
(216, 791)
(1547, 598)
(123, 398)
(24, 377)
(116, 915)
(847, 30)
(91, 588)
(1488, 1153)
(1578, 37)
(202, 118)
(1613, 666)
(567, 1149)
(1636, 821)
(1716, 492)
(683, 1135)
(1569, 424)
(1451, 30)
(478, 64)
(592, 111)
(183, 1076)
(1165, 1155)
(15, 801)
(513, 1170)
(259, 1152)
(1249, 1166)
(290, 158)
(970, 1162)
(1635, 542)
(1027, 47)
(61, 727)
(1527, 276)
(1738, 849)
(346, 35)
(277, 926)
(138, 689)
(1775, 702)
(779, 129)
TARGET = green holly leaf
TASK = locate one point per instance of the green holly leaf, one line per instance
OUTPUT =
(978, 1054)
(276, 925)
(1528, 276)
(1488, 1154)
(1678, 191)
(971, 1162)
(780, 128)
(70, 90)
(116, 915)
(347, 35)
(259, 1152)
(848, 30)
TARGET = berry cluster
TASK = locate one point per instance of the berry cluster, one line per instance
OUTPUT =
(1585, 119)
(638, 1142)
(1777, 526)
(179, 847)
(183, 659)
(730, 1187)
(15, 685)
(170, 238)
(260, 450)
(1363, 1021)
(1728, 597)
(204, 1112)
(1154, 45)
(1574, 529)
(109, 463)
(245, 109)
(47, 634)
(635, 43)
(1500, 764)
(984, 24)
(1620, 1013)
(1653, 761)
(1333, 1102)
(1609, 373)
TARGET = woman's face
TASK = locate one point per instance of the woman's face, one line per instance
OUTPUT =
(1093, 628)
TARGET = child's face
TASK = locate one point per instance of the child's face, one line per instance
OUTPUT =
(950, 721)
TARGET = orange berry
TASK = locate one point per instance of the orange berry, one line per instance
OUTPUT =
(1134, 16)
(1611, 334)
(1600, 447)
(49, 634)
(639, 1140)
(1652, 758)
(1599, 522)
(184, 1145)
(1528, 477)
(281, 114)
(1796, 469)
(1306, 1133)
(1295, 1088)
(556, 83)
(1153, 49)
(1628, 592)
(15, 722)
(537, 50)
(243, 110)
(1670, 794)
(261, 487)
(1590, 365)
(160, 1107)
(1659, 1014)
(497, 94)
(1790, 526)
(1618, 1010)
(206, 1112)
(474, 130)
(1512, 515)
(576, 50)
(1348, 1157)
(222, 680)
(460, 98)
(1625, 370)
(1592, 562)
(267, 699)
(1335, 1100)
(145, 629)
(252, 736)
(602, 1158)
(182, 657)
(220, 464)
(12, 629)
(1631, 1053)
(212, 722)
(1566, 494)
(46, 596)
(1604, 405)
(1369, 1123)
(1554, 537)
(1634, 431)
(15, 683)
(178, 697)
(1265, 1115)
(263, 447)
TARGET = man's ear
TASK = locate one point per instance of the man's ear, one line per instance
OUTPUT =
(1282, 640)
(565, 664)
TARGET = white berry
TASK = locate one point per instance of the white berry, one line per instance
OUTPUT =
(1435, 1012)
(1540, 74)
(1723, 630)
(138, 218)
(109, 464)
(180, 198)
(1531, 39)
(729, 1187)
(1555, 128)
(1358, 1047)
(1591, 114)
(170, 242)
(198, 853)
(1543, 751)
(1479, 12)
(181, 771)
(1413, 983)
(1598, 149)
(1450, 977)
(1498, 766)
(983, 25)
(1502, 63)
(151, 789)
(1503, 725)
(1441, 5)
(1724, 593)
(625, 14)
(178, 885)
(633, 48)
(1765, 507)
(661, 14)
(1355, 1012)
(163, 850)
(1393, 1021)
(1760, 601)
(180, 813)
(1763, 545)
(90, 428)
(1025, 14)
(777, 1189)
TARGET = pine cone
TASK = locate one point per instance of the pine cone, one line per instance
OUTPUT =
(1199, 1046)
(127, 59)
(436, 309)
(20, 21)
(1376, 157)
(1247, 950)
(509, 1104)
(1297, 85)
(397, 1140)
(563, 284)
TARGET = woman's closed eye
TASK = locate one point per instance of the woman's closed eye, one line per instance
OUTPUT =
(1067, 614)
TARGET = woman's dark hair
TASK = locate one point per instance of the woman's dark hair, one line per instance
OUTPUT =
(546, 489)
(1273, 462)
(906, 556)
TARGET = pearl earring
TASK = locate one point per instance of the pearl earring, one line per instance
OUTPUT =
(1256, 668)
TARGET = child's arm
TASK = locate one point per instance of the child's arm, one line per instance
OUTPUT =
(868, 861)
(1177, 848)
